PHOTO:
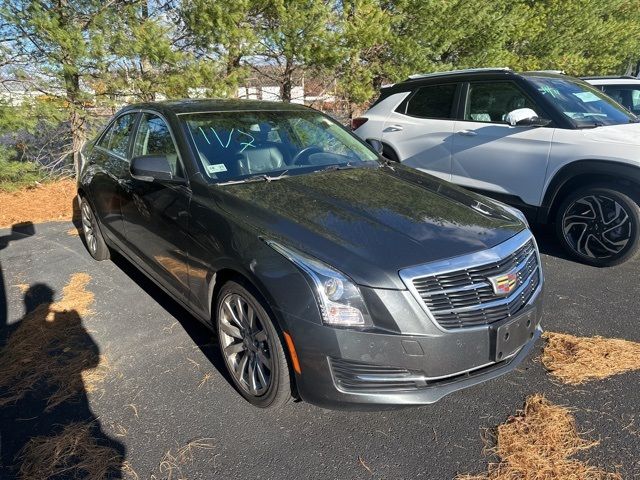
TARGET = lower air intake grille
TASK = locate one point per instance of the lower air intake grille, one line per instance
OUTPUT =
(362, 377)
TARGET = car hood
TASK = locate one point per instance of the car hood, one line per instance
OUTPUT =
(626, 134)
(371, 222)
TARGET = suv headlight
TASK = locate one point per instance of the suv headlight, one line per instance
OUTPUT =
(339, 299)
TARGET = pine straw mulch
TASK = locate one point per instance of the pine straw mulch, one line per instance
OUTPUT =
(537, 444)
(74, 453)
(51, 347)
(170, 467)
(576, 360)
(48, 202)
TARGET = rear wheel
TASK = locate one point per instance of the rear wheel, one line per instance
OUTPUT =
(599, 226)
(92, 236)
(251, 347)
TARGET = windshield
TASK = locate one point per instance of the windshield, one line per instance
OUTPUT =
(249, 145)
(583, 104)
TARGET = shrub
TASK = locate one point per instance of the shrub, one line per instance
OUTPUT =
(15, 174)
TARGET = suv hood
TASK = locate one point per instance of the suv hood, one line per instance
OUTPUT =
(371, 222)
(626, 134)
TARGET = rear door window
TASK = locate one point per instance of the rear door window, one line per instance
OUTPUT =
(434, 101)
(120, 134)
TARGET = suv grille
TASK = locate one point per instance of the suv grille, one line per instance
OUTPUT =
(465, 297)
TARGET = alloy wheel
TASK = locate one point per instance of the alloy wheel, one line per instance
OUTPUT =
(88, 228)
(597, 226)
(245, 344)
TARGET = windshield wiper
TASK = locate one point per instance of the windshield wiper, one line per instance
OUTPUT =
(594, 124)
(263, 177)
(331, 168)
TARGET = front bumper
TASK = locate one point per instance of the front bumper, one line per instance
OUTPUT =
(343, 368)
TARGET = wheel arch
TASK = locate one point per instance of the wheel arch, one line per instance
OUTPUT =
(230, 273)
(580, 173)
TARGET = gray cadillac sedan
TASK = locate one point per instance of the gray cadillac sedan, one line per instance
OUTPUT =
(326, 272)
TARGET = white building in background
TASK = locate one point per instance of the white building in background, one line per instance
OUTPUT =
(263, 84)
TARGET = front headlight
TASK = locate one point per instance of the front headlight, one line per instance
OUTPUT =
(339, 299)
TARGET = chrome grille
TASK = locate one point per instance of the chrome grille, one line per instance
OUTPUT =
(464, 297)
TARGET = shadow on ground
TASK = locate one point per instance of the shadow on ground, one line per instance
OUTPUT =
(549, 243)
(200, 334)
(47, 428)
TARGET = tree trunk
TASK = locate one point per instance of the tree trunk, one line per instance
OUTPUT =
(231, 72)
(76, 119)
(287, 81)
(148, 93)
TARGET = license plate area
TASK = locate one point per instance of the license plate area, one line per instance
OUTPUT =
(513, 334)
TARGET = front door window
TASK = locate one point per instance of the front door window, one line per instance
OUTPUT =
(154, 138)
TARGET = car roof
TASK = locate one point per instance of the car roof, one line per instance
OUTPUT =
(186, 106)
(470, 74)
(622, 80)
(458, 75)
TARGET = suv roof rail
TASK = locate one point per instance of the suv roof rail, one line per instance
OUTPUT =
(417, 76)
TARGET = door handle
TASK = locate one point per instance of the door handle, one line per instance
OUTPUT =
(394, 128)
(468, 133)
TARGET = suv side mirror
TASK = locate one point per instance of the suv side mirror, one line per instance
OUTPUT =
(525, 117)
(148, 168)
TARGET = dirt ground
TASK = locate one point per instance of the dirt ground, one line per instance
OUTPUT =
(48, 202)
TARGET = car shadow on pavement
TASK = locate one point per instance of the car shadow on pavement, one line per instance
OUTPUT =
(548, 242)
(202, 336)
(47, 427)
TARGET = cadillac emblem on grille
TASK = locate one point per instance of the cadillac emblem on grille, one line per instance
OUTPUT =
(504, 284)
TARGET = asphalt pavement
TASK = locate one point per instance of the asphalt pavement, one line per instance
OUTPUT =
(166, 384)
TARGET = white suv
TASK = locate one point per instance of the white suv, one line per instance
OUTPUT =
(624, 90)
(551, 145)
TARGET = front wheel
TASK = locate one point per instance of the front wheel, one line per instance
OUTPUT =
(251, 347)
(599, 226)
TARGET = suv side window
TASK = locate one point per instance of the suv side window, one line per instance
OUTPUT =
(118, 136)
(435, 101)
(492, 101)
(154, 138)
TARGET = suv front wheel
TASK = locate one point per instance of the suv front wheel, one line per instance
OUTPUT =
(599, 226)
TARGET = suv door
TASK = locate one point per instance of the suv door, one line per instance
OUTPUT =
(420, 130)
(109, 162)
(491, 155)
(156, 213)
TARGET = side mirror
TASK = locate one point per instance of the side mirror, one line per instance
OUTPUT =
(148, 168)
(525, 117)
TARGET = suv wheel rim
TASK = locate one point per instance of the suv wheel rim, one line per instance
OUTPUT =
(87, 227)
(597, 226)
(245, 346)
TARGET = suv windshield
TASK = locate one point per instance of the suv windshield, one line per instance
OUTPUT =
(251, 145)
(583, 104)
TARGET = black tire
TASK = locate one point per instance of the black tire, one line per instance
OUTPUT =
(599, 226)
(388, 153)
(277, 391)
(93, 239)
